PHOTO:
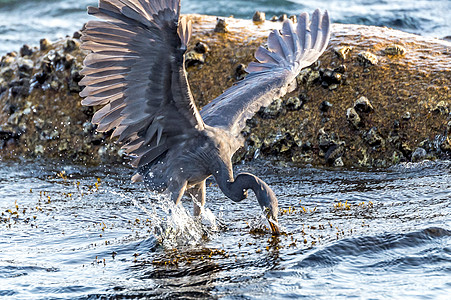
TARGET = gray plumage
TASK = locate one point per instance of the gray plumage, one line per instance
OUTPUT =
(136, 71)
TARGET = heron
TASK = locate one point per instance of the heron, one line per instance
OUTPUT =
(136, 71)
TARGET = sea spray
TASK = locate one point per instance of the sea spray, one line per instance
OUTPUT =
(174, 225)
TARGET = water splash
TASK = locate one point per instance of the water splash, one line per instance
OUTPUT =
(173, 225)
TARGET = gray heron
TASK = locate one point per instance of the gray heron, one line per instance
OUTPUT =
(136, 71)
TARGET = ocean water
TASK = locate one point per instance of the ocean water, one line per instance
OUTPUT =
(71, 232)
(27, 21)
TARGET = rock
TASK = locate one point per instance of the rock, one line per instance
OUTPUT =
(7, 73)
(75, 78)
(330, 146)
(26, 50)
(325, 106)
(293, 103)
(259, 17)
(363, 105)
(330, 77)
(338, 162)
(406, 116)
(308, 76)
(343, 52)
(6, 61)
(419, 154)
(44, 44)
(334, 152)
(77, 35)
(353, 117)
(395, 49)
(441, 108)
(71, 45)
(25, 68)
(373, 138)
(39, 150)
(445, 146)
(67, 60)
(240, 72)
(39, 77)
(193, 58)
(420, 79)
(367, 59)
(272, 111)
(307, 146)
(75, 75)
(55, 85)
(201, 48)
(8, 131)
(221, 26)
(20, 88)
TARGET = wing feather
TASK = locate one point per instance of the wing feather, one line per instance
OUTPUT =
(289, 51)
(136, 70)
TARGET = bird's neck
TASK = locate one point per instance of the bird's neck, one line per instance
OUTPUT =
(236, 188)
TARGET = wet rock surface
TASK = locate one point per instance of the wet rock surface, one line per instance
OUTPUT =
(348, 110)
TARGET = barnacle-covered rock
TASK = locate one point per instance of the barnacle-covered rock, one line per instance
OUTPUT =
(44, 44)
(273, 110)
(201, 48)
(293, 103)
(283, 17)
(353, 117)
(363, 105)
(367, 59)
(6, 61)
(442, 108)
(406, 116)
(308, 76)
(259, 17)
(71, 45)
(343, 52)
(240, 72)
(26, 50)
(325, 106)
(221, 26)
(37, 100)
(193, 58)
(8, 131)
(446, 145)
(395, 49)
(373, 138)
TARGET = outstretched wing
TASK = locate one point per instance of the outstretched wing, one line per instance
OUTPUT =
(289, 51)
(136, 71)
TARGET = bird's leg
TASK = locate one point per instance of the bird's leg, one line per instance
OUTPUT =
(198, 194)
(176, 190)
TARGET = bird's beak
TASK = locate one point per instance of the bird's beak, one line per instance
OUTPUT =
(272, 222)
(274, 227)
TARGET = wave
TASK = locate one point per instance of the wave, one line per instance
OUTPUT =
(389, 252)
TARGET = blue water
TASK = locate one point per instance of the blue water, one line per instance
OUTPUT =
(72, 232)
(27, 21)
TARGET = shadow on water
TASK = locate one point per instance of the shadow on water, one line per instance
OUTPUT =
(87, 233)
